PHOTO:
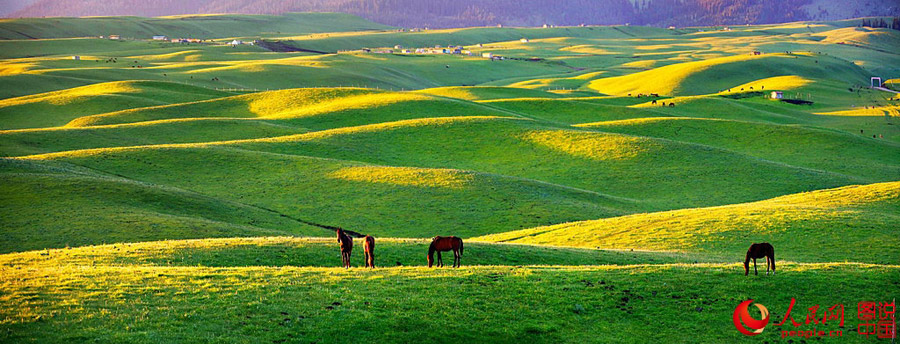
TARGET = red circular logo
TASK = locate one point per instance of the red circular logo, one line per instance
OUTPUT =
(742, 314)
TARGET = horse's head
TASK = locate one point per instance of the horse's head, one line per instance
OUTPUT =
(747, 262)
(430, 256)
(340, 234)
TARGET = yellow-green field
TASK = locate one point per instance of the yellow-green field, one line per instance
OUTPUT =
(158, 192)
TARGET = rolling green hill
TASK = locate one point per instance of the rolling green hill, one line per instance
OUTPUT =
(58, 108)
(577, 158)
(259, 71)
(57, 205)
(383, 201)
(460, 37)
(799, 146)
(854, 223)
(704, 77)
(188, 26)
(157, 192)
(71, 302)
(324, 108)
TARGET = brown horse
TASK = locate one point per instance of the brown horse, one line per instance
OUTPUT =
(759, 251)
(369, 247)
(443, 244)
(346, 247)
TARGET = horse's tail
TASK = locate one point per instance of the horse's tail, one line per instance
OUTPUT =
(460, 246)
(773, 260)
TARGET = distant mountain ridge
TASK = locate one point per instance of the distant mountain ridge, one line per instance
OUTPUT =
(460, 13)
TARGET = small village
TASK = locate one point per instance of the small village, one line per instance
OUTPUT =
(435, 50)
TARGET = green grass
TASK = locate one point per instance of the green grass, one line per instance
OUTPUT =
(368, 199)
(691, 303)
(800, 146)
(48, 205)
(58, 108)
(184, 26)
(460, 37)
(707, 76)
(49, 140)
(259, 70)
(178, 201)
(571, 110)
(579, 158)
(487, 93)
(318, 109)
(855, 223)
(320, 252)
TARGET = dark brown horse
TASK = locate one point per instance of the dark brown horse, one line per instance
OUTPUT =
(369, 247)
(346, 247)
(443, 244)
(759, 251)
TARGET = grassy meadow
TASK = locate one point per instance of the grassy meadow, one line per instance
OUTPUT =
(607, 181)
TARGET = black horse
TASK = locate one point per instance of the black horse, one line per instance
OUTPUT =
(759, 251)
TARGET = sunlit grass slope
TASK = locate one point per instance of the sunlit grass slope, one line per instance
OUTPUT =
(854, 223)
(613, 164)
(699, 175)
(860, 156)
(876, 38)
(51, 205)
(718, 74)
(193, 26)
(318, 108)
(380, 200)
(553, 83)
(51, 301)
(485, 93)
(184, 130)
(464, 36)
(571, 110)
(143, 205)
(220, 67)
(321, 251)
(59, 107)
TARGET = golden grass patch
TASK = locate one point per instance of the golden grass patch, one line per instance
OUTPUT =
(406, 176)
(593, 146)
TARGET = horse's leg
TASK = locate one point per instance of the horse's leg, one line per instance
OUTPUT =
(456, 257)
(756, 272)
(440, 260)
(768, 262)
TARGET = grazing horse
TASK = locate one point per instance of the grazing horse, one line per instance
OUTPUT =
(758, 251)
(369, 247)
(346, 247)
(442, 244)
